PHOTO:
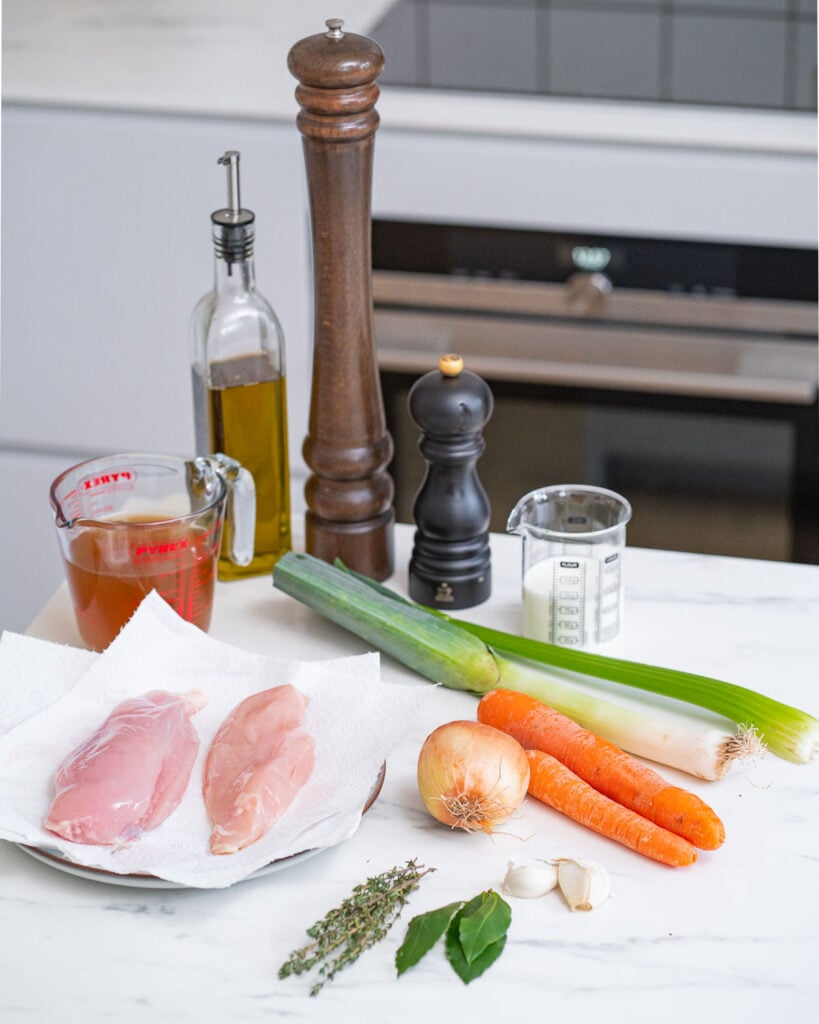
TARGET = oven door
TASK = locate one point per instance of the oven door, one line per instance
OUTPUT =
(700, 409)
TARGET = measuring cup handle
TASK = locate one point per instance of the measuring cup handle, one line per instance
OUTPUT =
(240, 509)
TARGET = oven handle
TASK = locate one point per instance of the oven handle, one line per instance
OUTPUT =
(659, 382)
(608, 378)
(588, 297)
(620, 359)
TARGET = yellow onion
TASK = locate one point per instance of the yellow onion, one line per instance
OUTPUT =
(472, 776)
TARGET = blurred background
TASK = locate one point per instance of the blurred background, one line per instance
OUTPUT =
(607, 206)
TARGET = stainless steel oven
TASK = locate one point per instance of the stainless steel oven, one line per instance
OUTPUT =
(682, 374)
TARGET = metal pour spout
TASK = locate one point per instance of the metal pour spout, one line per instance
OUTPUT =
(231, 160)
(233, 227)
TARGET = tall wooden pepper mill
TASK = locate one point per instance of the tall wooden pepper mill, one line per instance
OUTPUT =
(349, 494)
(451, 563)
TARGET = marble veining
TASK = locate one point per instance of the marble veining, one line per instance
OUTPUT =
(734, 937)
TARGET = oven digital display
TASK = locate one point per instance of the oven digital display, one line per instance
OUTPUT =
(590, 257)
(654, 264)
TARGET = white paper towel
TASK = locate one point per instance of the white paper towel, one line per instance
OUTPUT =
(34, 674)
(354, 717)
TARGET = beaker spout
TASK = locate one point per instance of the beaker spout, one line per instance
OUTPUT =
(520, 518)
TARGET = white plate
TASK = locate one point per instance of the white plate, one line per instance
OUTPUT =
(55, 858)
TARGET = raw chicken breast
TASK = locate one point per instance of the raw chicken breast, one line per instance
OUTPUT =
(131, 774)
(259, 760)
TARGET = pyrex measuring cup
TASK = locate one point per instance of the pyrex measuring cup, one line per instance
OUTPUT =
(573, 541)
(129, 524)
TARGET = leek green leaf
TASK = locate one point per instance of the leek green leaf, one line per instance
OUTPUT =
(425, 643)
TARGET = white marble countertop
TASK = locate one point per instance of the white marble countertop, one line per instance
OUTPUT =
(734, 937)
(212, 58)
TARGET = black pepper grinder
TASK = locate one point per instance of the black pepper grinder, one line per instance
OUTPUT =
(450, 566)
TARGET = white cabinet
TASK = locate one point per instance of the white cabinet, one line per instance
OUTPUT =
(106, 248)
(30, 565)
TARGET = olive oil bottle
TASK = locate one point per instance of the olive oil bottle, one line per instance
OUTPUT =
(238, 369)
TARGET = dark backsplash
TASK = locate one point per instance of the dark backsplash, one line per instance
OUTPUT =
(746, 53)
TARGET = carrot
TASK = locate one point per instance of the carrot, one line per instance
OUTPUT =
(604, 766)
(554, 784)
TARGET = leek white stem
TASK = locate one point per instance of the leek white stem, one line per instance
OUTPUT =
(673, 740)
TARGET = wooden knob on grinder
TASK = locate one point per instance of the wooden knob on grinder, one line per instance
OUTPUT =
(450, 365)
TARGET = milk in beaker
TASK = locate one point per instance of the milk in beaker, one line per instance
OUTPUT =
(572, 600)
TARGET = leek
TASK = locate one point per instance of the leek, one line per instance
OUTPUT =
(449, 654)
(784, 730)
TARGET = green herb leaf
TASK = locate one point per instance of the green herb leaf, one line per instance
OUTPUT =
(484, 921)
(422, 934)
(465, 969)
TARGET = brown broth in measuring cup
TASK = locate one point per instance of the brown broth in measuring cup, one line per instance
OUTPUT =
(132, 523)
(110, 570)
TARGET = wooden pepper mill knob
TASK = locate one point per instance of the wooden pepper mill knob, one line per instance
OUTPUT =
(451, 562)
(349, 494)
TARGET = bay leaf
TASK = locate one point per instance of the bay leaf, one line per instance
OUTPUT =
(423, 932)
(483, 922)
(465, 969)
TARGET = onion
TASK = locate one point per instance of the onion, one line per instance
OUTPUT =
(472, 776)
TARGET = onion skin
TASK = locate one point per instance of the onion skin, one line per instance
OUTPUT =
(472, 776)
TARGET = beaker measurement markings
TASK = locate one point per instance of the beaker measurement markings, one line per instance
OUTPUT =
(572, 582)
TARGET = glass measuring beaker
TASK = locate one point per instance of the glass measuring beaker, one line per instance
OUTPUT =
(573, 542)
(129, 524)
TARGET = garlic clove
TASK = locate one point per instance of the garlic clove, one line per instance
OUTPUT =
(585, 884)
(528, 881)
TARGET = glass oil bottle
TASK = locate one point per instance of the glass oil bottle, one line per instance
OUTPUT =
(238, 369)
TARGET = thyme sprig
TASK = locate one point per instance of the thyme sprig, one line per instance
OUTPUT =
(360, 921)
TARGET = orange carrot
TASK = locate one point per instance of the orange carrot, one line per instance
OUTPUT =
(602, 765)
(554, 784)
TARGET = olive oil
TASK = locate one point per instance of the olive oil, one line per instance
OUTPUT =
(248, 421)
(240, 408)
